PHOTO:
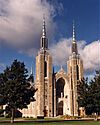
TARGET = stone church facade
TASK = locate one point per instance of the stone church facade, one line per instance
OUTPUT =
(57, 92)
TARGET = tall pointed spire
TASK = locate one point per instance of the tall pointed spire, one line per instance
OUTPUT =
(44, 40)
(73, 32)
(74, 43)
(44, 28)
(32, 70)
(61, 67)
(31, 78)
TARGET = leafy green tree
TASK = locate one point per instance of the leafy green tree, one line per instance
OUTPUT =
(89, 94)
(15, 90)
(95, 93)
(83, 91)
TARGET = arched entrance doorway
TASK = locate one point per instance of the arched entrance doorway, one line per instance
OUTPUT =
(60, 108)
(59, 95)
(45, 112)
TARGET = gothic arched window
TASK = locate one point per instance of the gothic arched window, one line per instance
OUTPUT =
(45, 69)
(42, 44)
(77, 70)
(60, 87)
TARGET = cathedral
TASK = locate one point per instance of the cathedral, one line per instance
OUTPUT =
(56, 92)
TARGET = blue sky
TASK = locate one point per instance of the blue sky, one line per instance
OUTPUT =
(86, 14)
(21, 25)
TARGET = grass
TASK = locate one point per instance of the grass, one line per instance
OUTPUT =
(32, 122)
(56, 123)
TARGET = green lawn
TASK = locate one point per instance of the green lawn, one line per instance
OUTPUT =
(28, 122)
(57, 123)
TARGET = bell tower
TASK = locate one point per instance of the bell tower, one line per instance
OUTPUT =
(44, 101)
(75, 73)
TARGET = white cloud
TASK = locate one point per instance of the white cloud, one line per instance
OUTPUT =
(21, 25)
(21, 22)
(61, 51)
(2, 65)
(90, 53)
(91, 56)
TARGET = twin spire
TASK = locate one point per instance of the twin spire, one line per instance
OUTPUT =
(44, 40)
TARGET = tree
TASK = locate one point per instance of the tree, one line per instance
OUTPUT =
(89, 94)
(15, 90)
(83, 91)
(95, 93)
